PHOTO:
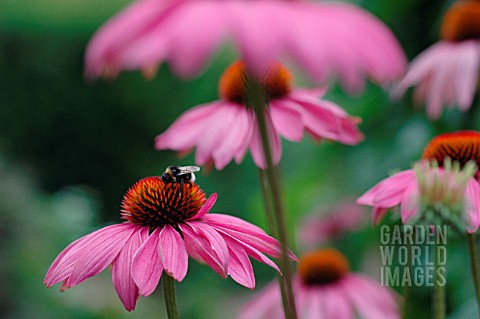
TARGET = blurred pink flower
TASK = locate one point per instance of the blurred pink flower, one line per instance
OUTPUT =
(445, 180)
(223, 130)
(165, 222)
(330, 224)
(446, 74)
(325, 39)
(325, 288)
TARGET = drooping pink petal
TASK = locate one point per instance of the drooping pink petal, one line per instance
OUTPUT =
(324, 119)
(213, 134)
(206, 207)
(232, 222)
(311, 302)
(389, 192)
(248, 235)
(256, 254)
(354, 39)
(440, 83)
(236, 138)
(307, 52)
(120, 32)
(371, 300)
(258, 39)
(147, 266)
(449, 92)
(204, 34)
(122, 279)
(421, 67)
(377, 214)
(409, 205)
(466, 77)
(184, 133)
(63, 265)
(287, 120)
(346, 63)
(363, 25)
(256, 147)
(239, 266)
(421, 91)
(472, 205)
(101, 251)
(264, 243)
(173, 253)
(251, 251)
(335, 304)
(312, 94)
(245, 140)
(207, 244)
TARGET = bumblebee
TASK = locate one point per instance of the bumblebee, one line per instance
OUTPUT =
(180, 174)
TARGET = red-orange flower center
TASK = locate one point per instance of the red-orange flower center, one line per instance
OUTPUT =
(155, 203)
(462, 22)
(322, 267)
(277, 82)
(462, 146)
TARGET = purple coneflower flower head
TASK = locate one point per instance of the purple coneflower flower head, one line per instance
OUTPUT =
(326, 288)
(331, 223)
(165, 222)
(443, 187)
(325, 39)
(446, 74)
(225, 129)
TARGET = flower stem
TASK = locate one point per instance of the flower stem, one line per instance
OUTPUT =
(473, 249)
(267, 201)
(439, 289)
(271, 225)
(170, 296)
(257, 100)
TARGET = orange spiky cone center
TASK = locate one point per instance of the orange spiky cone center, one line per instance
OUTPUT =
(277, 82)
(322, 267)
(462, 146)
(155, 203)
(462, 22)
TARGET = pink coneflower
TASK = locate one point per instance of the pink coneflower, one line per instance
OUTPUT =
(164, 223)
(324, 39)
(331, 223)
(325, 288)
(436, 189)
(446, 74)
(223, 130)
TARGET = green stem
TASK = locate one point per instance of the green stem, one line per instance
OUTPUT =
(271, 225)
(257, 100)
(473, 249)
(170, 296)
(267, 201)
(439, 289)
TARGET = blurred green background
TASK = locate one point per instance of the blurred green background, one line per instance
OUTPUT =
(70, 149)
